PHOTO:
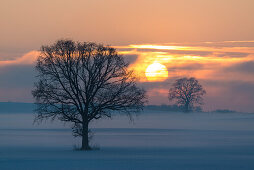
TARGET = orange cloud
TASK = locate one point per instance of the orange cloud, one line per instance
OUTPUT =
(209, 58)
(27, 59)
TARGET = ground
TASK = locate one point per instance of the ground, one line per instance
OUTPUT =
(155, 140)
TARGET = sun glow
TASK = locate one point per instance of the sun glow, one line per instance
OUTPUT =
(156, 72)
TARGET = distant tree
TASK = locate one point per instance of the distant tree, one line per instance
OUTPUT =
(81, 82)
(187, 93)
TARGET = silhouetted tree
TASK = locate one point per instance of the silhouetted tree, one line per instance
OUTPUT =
(80, 82)
(187, 92)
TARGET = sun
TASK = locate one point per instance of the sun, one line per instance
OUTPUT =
(156, 72)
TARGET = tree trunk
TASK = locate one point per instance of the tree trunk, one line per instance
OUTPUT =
(85, 137)
(186, 107)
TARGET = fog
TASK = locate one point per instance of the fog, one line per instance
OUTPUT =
(154, 140)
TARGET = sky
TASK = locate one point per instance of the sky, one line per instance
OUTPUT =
(212, 40)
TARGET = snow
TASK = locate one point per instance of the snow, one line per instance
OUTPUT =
(155, 140)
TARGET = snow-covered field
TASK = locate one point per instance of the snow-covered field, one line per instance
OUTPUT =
(155, 140)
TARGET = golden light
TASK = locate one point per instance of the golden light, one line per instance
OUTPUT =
(158, 47)
(156, 72)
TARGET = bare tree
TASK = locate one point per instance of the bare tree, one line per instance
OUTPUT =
(187, 92)
(81, 82)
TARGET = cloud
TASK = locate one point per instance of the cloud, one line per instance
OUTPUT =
(232, 54)
(17, 77)
(193, 66)
(27, 59)
(130, 58)
(179, 52)
(244, 67)
(236, 95)
(8, 56)
(217, 44)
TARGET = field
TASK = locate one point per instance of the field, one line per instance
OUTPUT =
(155, 140)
